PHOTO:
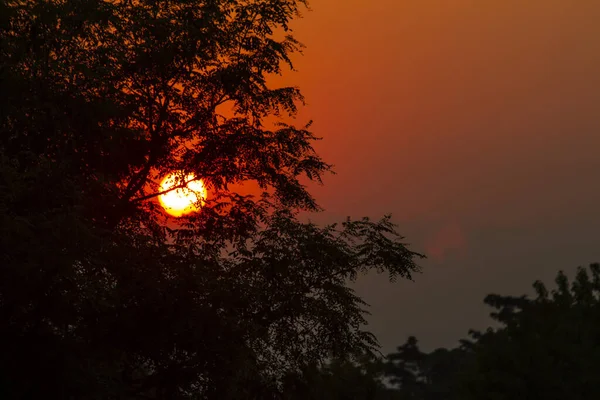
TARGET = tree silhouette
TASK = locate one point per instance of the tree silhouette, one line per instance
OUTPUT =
(404, 368)
(101, 294)
(426, 376)
(341, 379)
(547, 347)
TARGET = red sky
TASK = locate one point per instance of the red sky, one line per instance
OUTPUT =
(477, 124)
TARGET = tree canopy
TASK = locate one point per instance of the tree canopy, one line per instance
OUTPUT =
(546, 347)
(101, 294)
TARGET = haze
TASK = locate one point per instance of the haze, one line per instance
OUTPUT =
(476, 124)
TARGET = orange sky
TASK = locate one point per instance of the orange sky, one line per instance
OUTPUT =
(477, 124)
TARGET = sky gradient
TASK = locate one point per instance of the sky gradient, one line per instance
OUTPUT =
(477, 125)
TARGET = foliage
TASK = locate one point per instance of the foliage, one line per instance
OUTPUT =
(425, 376)
(341, 379)
(101, 295)
(403, 368)
(547, 347)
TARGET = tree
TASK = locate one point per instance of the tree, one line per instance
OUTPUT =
(341, 379)
(443, 368)
(404, 369)
(101, 296)
(426, 376)
(547, 347)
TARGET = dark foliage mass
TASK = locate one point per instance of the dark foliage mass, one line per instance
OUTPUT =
(101, 296)
(547, 347)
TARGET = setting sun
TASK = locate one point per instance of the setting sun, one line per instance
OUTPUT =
(183, 200)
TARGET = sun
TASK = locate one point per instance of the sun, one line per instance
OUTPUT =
(183, 200)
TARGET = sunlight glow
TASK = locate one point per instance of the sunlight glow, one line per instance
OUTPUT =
(182, 200)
